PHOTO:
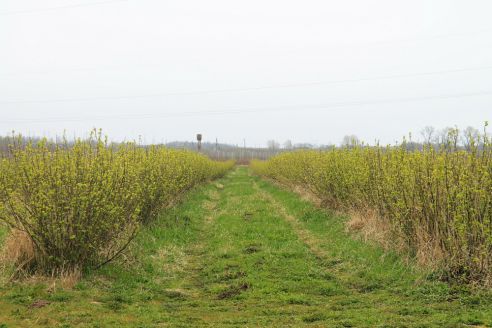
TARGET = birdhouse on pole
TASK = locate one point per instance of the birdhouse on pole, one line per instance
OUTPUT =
(199, 139)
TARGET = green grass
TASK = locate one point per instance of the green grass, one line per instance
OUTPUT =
(3, 233)
(228, 257)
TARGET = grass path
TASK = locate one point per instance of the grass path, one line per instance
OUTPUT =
(240, 252)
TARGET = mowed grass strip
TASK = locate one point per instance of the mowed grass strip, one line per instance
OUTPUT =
(256, 271)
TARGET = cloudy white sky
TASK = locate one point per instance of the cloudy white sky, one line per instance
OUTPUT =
(309, 71)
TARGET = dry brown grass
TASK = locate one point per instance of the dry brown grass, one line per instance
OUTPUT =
(429, 252)
(65, 279)
(307, 195)
(18, 251)
(371, 227)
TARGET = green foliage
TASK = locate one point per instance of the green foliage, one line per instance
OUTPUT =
(183, 266)
(82, 203)
(165, 173)
(439, 196)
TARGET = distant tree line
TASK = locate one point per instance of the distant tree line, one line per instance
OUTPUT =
(429, 136)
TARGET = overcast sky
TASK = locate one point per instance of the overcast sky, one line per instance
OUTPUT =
(309, 71)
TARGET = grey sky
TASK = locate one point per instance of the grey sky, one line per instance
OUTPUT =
(309, 71)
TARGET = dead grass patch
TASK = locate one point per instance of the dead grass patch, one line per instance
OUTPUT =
(371, 227)
(18, 262)
(62, 280)
(429, 252)
(66, 279)
(18, 252)
(307, 195)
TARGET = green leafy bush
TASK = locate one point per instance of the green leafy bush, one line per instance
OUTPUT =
(82, 203)
(438, 198)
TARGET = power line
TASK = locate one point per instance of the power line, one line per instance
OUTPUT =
(332, 105)
(338, 46)
(259, 88)
(32, 11)
(428, 38)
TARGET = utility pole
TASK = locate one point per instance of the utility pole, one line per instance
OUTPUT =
(216, 148)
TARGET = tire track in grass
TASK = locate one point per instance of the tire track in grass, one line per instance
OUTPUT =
(254, 270)
(347, 279)
(304, 235)
(188, 288)
(316, 247)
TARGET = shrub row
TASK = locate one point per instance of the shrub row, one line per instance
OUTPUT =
(82, 203)
(440, 196)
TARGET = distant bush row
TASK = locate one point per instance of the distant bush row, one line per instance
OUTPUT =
(437, 201)
(82, 203)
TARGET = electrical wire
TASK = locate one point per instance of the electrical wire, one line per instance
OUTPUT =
(259, 88)
(32, 11)
(332, 105)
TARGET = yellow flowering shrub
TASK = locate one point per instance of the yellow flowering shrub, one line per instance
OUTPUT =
(82, 203)
(441, 194)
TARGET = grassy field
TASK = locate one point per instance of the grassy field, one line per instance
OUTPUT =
(241, 252)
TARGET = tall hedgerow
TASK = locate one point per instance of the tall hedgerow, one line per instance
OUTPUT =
(437, 198)
(82, 203)
(166, 173)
